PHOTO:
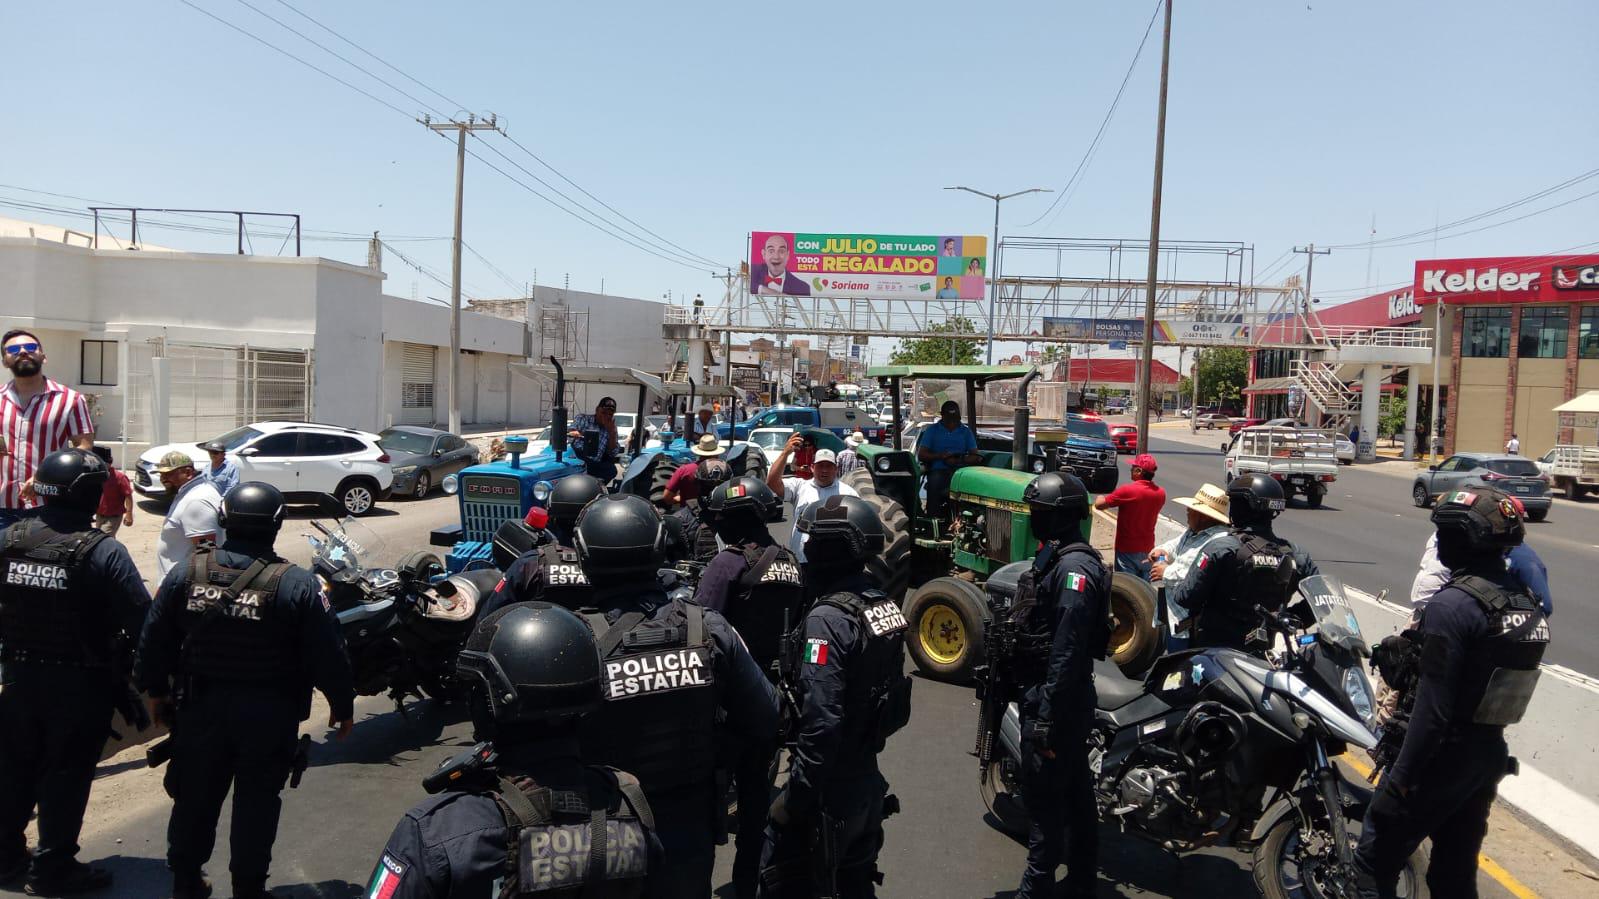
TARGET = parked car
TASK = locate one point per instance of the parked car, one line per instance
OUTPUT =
(421, 457)
(308, 462)
(771, 441)
(1238, 424)
(839, 417)
(1517, 476)
(1343, 449)
(1212, 420)
(1300, 459)
(539, 442)
(1125, 437)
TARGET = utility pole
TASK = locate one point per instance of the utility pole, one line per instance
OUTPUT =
(1154, 240)
(461, 129)
(1311, 253)
(993, 251)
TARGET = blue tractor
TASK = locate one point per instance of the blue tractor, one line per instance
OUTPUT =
(493, 493)
(652, 466)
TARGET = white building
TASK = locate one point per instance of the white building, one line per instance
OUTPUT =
(173, 345)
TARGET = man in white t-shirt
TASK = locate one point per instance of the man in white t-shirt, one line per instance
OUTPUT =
(803, 492)
(192, 517)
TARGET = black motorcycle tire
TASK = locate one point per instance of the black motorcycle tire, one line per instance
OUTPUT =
(1270, 876)
(1004, 806)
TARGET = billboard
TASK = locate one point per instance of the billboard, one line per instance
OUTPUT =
(876, 266)
(1131, 330)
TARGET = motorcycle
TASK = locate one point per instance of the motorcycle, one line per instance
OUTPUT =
(402, 626)
(1221, 747)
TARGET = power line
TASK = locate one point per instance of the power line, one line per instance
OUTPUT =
(1429, 233)
(1489, 227)
(1060, 198)
(513, 283)
(456, 106)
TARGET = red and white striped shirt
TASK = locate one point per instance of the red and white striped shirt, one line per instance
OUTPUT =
(32, 432)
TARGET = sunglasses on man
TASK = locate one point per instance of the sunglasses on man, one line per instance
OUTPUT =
(17, 349)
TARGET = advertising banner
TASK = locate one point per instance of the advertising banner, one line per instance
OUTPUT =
(1506, 279)
(1185, 331)
(876, 266)
(1131, 330)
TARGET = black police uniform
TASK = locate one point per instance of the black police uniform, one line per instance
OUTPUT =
(550, 573)
(698, 538)
(671, 671)
(1237, 571)
(65, 593)
(1483, 637)
(528, 834)
(846, 665)
(1062, 628)
(246, 667)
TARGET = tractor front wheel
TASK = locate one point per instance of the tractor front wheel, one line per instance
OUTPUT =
(1134, 639)
(947, 620)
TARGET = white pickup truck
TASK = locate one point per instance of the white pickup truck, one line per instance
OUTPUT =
(1301, 459)
(1574, 469)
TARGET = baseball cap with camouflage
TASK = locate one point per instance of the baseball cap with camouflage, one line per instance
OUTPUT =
(173, 461)
(1487, 516)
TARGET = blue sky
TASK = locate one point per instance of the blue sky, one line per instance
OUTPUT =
(1289, 123)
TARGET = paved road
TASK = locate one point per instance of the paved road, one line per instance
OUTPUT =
(1370, 534)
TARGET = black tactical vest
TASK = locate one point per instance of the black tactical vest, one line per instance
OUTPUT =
(699, 538)
(45, 613)
(658, 719)
(764, 604)
(561, 580)
(877, 700)
(567, 844)
(1266, 576)
(1034, 621)
(1504, 671)
(233, 626)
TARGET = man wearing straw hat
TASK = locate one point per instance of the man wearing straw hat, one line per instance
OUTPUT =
(1207, 519)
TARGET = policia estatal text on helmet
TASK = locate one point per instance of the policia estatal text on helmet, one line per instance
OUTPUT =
(670, 670)
(235, 642)
(755, 583)
(66, 592)
(550, 572)
(524, 801)
(1482, 639)
(844, 668)
(1249, 566)
(1062, 618)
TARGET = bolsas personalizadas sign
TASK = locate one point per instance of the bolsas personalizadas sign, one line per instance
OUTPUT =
(874, 266)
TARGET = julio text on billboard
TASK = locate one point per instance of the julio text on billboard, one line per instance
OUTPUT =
(877, 266)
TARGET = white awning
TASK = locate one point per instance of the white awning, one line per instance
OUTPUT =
(1584, 402)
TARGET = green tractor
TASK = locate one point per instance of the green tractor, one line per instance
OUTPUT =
(937, 567)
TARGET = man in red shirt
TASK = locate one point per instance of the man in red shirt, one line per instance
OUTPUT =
(116, 498)
(38, 416)
(682, 486)
(1138, 503)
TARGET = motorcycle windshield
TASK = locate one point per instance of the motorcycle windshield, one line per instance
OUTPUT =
(1335, 618)
(352, 545)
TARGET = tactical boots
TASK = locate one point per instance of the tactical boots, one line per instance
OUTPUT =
(190, 886)
(66, 880)
(250, 888)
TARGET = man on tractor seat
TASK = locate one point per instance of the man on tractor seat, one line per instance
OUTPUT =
(941, 449)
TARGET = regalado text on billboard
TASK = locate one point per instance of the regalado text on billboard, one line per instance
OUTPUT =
(879, 266)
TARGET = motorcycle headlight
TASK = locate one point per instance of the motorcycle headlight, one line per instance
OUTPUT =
(1359, 696)
(451, 484)
(541, 491)
(405, 469)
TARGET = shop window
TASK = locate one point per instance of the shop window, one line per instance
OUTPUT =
(1588, 333)
(1543, 332)
(99, 368)
(1485, 333)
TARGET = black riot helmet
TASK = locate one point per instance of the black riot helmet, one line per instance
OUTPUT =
(1254, 499)
(619, 536)
(740, 507)
(252, 511)
(1477, 523)
(841, 532)
(530, 663)
(569, 495)
(710, 474)
(71, 479)
(1058, 503)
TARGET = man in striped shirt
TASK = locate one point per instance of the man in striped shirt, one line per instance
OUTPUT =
(38, 416)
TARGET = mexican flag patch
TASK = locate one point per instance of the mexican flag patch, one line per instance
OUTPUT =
(1203, 561)
(385, 879)
(816, 651)
(1075, 581)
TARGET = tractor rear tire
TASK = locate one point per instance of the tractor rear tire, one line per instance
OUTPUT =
(659, 475)
(420, 565)
(1134, 639)
(947, 618)
(890, 572)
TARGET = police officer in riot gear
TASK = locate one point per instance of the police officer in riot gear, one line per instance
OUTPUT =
(231, 649)
(66, 592)
(670, 671)
(1248, 567)
(844, 670)
(698, 536)
(1482, 638)
(524, 804)
(754, 582)
(1062, 618)
(550, 572)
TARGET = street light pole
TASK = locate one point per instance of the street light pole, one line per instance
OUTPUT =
(993, 282)
(1145, 363)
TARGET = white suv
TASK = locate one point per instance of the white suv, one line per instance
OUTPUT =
(308, 462)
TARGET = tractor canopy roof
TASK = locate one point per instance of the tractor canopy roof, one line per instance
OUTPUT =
(979, 374)
(596, 374)
(704, 391)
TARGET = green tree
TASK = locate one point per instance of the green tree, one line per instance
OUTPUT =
(1055, 352)
(1223, 373)
(940, 350)
(1185, 389)
(1393, 414)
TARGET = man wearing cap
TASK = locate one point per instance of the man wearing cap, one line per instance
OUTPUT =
(806, 492)
(941, 449)
(224, 473)
(682, 486)
(848, 460)
(192, 517)
(1139, 502)
(1207, 519)
(700, 425)
(596, 440)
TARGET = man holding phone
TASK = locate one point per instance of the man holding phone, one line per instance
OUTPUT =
(38, 417)
(804, 493)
